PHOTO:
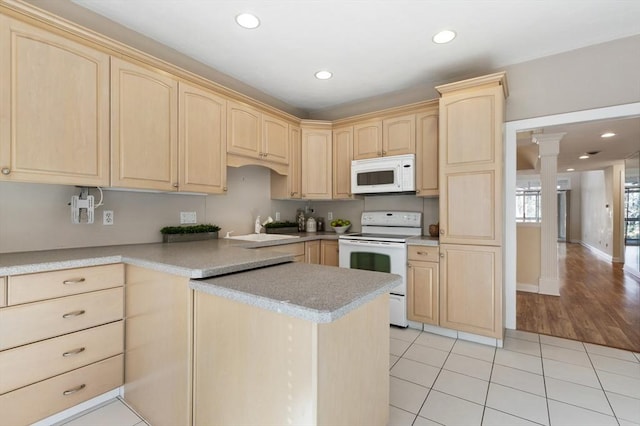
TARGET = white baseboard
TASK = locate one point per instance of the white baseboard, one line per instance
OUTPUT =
(77, 409)
(598, 252)
(529, 288)
(447, 332)
(629, 270)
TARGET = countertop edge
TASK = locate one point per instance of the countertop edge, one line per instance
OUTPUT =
(285, 308)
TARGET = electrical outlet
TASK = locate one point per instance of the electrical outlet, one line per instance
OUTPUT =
(277, 216)
(107, 217)
(187, 217)
(330, 216)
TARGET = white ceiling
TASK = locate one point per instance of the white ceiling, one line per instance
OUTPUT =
(373, 47)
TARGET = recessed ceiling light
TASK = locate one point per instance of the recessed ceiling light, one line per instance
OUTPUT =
(607, 135)
(444, 36)
(323, 75)
(571, 170)
(583, 157)
(248, 21)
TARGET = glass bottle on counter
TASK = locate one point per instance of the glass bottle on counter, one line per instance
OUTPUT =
(301, 221)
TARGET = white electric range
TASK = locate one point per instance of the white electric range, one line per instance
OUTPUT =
(382, 247)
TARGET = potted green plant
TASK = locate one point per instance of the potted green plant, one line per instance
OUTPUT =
(172, 234)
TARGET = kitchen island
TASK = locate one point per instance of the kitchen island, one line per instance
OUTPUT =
(217, 333)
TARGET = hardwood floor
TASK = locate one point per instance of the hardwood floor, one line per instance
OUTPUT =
(598, 302)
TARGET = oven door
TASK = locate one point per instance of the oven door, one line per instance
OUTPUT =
(380, 256)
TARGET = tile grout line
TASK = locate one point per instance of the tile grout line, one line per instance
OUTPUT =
(595, 371)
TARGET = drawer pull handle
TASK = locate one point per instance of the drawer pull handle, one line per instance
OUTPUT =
(74, 314)
(423, 253)
(73, 352)
(74, 281)
(74, 390)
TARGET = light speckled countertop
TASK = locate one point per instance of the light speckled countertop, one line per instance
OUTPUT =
(311, 292)
(264, 278)
(198, 259)
(424, 241)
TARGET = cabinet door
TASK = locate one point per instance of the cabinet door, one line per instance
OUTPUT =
(316, 164)
(144, 131)
(329, 253)
(422, 292)
(471, 289)
(367, 140)
(342, 156)
(287, 187)
(399, 135)
(427, 154)
(244, 130)
(312, 252)
(202, 141)
(471, 167)
(295, 169)
(54, 98)
(275, 135)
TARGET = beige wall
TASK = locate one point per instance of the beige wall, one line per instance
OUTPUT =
(574, 228)
(37, 216)
(528, 253)
(597, 220)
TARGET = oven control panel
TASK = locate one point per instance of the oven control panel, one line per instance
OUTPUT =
(385, 218)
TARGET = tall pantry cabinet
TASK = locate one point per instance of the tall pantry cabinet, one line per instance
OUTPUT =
(471, 204)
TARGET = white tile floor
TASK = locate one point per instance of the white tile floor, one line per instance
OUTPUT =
(532, 380)
(112, 413)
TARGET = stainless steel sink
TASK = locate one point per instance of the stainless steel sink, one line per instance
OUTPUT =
(262, 237)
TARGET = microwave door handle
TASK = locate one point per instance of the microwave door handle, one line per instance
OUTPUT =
(398, 179)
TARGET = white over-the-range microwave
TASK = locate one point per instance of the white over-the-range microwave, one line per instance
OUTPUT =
(384, 175)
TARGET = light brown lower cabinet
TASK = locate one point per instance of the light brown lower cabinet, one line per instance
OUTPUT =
(61, 340)
(471, 289)
(39, 400)
(312, 252)
(253, 366)
(158, 346)
(329, 253)
(422, 284)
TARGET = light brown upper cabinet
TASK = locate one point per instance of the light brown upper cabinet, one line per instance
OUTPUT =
(284, 187)
(257, 136)
(342, 156)
(471, 118)
(202, 141)
(316, 160)
(54, 98)
(367, 139)
(384, 137)
(144, 127)
(399, 135)
(427, 152)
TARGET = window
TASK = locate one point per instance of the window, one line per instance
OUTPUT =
(528, 206)
(632, 216)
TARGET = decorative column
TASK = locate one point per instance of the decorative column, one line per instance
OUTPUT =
(548, 149)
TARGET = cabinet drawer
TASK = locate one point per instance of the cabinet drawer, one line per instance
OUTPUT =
(47, 285)
(425, 253)
(41, 320)
(35, 362)
(37, 401)
(3, 291)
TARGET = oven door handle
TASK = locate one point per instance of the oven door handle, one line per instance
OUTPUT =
(365, 243)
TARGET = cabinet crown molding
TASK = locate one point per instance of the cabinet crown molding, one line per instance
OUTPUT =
(499, 78)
